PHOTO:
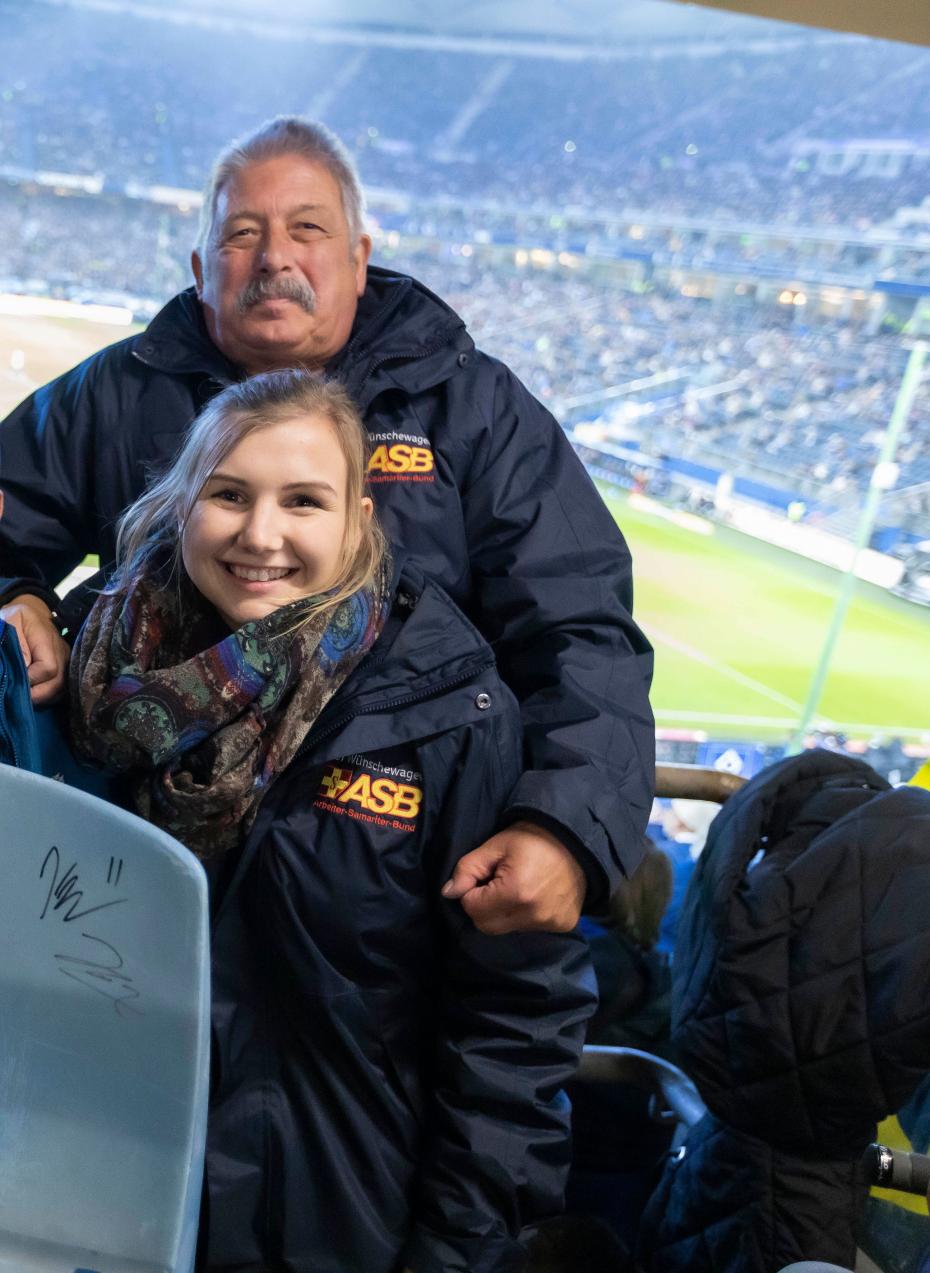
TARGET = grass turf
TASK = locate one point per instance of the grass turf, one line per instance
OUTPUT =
(738, 626)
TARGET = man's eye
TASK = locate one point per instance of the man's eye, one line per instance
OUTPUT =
(308, 225)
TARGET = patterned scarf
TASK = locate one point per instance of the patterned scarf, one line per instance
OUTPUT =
(201, 725)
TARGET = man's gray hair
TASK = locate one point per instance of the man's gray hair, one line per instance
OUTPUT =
(285, 135)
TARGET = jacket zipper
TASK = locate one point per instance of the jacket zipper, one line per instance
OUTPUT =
(6, 734)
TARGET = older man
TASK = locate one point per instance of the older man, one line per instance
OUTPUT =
(469, 472)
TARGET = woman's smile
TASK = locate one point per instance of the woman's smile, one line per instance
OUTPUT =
(270, 525)
(258, 574)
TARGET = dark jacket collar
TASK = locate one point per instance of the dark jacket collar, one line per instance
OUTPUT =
(427, 643)
(403, 334)
(177, 341)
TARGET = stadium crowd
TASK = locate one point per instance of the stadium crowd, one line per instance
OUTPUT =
(734, 130)
(803, 404)
(806, 403)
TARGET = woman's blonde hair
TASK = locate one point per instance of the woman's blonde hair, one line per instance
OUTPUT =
(157, 519)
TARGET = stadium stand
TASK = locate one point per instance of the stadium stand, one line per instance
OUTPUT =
(749, 130)
(701, 253)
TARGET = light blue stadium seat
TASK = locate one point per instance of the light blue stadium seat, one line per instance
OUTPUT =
(104, 1036)
(814, 1266)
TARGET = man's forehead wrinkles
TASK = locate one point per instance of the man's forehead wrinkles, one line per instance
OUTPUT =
(252, 214)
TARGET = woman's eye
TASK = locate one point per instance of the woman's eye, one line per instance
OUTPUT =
(305, 501)
(228, 496)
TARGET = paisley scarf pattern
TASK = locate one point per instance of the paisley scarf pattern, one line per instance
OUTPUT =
(200, 719)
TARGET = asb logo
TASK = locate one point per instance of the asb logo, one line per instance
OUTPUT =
(401, 462)
(371, 798)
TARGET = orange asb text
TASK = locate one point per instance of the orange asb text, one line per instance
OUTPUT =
(400, 458)
(375, 795)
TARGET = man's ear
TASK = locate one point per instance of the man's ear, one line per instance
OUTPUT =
(360, 254)
(197, 268)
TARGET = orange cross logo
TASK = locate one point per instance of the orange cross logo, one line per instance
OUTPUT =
(334, 781)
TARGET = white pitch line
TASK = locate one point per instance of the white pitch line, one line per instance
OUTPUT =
(723, 668)
(725, 718)
(855, 728)
(19, 378)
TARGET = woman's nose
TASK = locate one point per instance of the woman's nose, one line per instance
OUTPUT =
(261, 531)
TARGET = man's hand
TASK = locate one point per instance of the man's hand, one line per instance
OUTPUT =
(521, 880)
(44, 652)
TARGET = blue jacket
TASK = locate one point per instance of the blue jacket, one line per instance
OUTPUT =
(470, 474)
(376, 1057)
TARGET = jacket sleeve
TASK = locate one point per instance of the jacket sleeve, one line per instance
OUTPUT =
(513, 1012)
(46, 458)
(553, 592)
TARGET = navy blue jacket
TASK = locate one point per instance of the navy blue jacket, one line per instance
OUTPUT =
(387, 1079)
(470, 474)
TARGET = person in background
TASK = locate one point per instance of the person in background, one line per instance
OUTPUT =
(680, 831)
(633, 974)
(618, 1144)
(470, 473)
(326, 731)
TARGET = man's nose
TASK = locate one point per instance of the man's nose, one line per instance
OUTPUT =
(260, 531)
(276, 250)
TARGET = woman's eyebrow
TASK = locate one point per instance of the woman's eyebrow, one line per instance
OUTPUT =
(312, 484)
(318, 485)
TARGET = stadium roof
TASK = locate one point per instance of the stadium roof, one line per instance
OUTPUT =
(889, 19)
(605, 22)
(598, 23)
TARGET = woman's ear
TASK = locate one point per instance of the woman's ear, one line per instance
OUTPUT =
(367, 507)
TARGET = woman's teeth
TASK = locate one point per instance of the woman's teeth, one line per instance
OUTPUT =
(255, 575)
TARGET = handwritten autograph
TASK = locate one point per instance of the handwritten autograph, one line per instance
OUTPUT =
(105, 978)
(103, 974)
(66, 892)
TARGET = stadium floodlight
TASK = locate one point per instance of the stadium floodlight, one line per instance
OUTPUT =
(884, 468)
(885, 475)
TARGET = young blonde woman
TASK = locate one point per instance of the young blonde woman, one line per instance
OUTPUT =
(328, 733)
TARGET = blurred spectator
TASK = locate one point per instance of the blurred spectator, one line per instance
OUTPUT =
(578, 1244)
(634, 984)
(680, 835)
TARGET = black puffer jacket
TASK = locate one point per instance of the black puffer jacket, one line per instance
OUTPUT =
(801, 1010)
(471, 475)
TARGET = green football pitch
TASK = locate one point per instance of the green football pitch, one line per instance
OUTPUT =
(738, 627)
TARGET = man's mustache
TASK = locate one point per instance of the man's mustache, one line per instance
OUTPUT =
(276, 289)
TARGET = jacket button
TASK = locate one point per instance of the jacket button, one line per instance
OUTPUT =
(483, 702)
(462, 360)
